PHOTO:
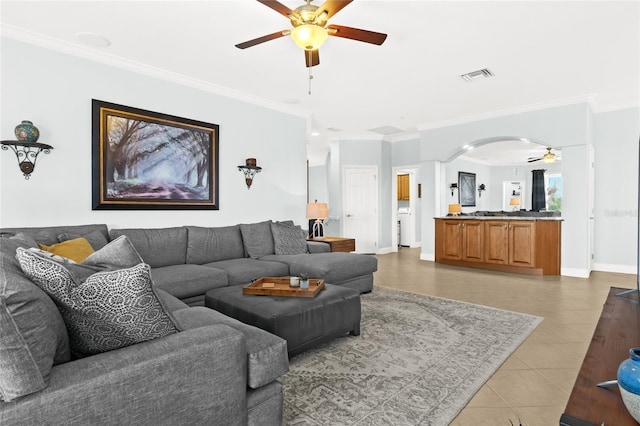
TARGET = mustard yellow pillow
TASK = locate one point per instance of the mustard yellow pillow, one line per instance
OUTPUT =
(77, 249)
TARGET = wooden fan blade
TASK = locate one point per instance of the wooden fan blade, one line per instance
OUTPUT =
(357, 34)
(531, 160)
(262, 39)
(278, 7)
(331, 7)
(312, 58)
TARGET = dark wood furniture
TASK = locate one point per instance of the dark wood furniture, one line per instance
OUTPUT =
(279, 286)
(527, 246)
(338, 244)
(618, 330)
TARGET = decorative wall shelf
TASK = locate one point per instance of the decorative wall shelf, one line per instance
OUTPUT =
(26, 153)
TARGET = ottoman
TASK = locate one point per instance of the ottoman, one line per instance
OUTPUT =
(303, 322)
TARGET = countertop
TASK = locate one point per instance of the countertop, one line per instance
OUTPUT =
(528, 218)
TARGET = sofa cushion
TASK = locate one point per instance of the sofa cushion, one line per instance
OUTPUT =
(257, 239)
(102, 310)
(206, 245)
(49, 234)
(288, 239)
(267, 357)
(187, 281)
(158, 247)
(77, 249)
(334, 267)
(33, 336)
(96, 238)
(243, 271)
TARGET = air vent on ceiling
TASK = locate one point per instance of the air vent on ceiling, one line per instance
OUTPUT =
(386, 130)
(474, 75)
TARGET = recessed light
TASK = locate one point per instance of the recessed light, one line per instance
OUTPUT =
(92, 39)
(315, 133)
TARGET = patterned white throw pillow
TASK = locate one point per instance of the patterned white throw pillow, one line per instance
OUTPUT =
(102, 310)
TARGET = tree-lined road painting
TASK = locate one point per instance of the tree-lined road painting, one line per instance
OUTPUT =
(146, 160)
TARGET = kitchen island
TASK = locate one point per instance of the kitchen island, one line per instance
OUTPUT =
(526, 245)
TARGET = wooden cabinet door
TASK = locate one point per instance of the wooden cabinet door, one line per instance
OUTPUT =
(403, 187)
(452, 239)
(522, 246)
(496, 237)
(472, 241)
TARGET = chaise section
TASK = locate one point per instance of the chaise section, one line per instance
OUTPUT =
(353, 270)
(243, 271)
(189, 283)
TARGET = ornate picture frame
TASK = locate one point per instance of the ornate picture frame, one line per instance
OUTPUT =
(467, 189)
(144, 160)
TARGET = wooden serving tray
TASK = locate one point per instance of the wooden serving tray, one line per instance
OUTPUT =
(279, 286)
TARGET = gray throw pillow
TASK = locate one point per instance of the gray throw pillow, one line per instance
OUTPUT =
(105, 310)
(33, 336)
(257, 239)
(288, 239)
(95, 238)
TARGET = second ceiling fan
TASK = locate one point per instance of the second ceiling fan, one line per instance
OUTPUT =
(310, 28)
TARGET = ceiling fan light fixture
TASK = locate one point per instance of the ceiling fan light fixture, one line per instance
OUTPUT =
(549, 157)
(308, 36)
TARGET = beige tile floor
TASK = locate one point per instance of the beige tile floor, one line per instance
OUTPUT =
(533, 385)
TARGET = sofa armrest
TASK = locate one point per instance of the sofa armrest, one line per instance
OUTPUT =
(193, 377)
(318, 247)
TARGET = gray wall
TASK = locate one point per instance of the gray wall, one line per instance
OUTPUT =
(55, 91)
(576, 130)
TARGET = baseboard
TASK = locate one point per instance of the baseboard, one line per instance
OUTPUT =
(385, 250)
(575, 272)
(428, 256)
(611, 267)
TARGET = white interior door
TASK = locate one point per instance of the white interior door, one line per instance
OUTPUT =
(361, 207)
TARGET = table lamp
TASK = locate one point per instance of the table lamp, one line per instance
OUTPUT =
(455, 209)
(515, 203)
(319, 212)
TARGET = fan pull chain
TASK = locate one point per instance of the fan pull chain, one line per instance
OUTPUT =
(310, 78)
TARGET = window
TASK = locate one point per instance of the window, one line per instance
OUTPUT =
(553, 186)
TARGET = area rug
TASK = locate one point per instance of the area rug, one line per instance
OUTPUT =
(418, 361)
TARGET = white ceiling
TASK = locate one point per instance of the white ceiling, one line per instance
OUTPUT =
(541, 52)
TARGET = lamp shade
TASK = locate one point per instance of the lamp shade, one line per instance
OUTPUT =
(317, 211)
(455, 208)
(308, 36)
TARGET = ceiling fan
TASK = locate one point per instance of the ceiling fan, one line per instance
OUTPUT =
(549, 157)
(310, 28)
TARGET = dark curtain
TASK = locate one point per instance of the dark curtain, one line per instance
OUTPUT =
(538, 195)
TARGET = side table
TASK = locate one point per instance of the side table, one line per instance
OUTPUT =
(338, 243)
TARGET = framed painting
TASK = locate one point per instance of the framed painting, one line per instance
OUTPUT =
(467, 189)
(144, 160)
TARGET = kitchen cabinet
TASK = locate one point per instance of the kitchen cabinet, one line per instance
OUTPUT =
(403, 187)
(530, 246)
(463, 240)
(510, 243)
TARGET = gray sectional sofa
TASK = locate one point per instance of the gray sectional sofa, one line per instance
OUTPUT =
(215, 370)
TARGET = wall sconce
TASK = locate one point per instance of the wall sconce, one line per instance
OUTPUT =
(480, 189)
(249, 169)
(452, 187)
(26, 148)
(319, 212)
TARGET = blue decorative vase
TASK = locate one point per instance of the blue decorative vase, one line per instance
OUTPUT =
(27, 132)
(629, 383)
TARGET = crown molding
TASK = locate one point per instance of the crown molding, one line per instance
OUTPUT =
(106, 58)
(590, 100)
